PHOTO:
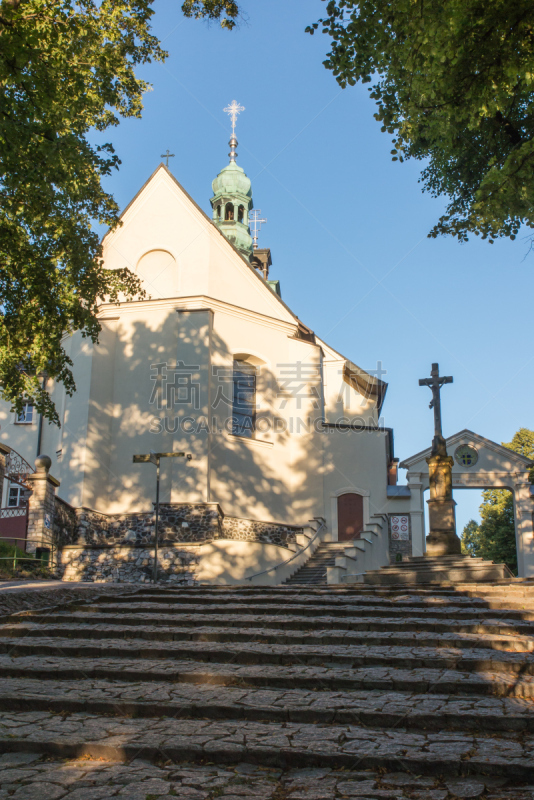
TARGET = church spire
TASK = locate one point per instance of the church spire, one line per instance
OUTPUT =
(232, 195)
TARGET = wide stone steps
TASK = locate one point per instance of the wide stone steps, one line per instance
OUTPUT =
(209, 634)
(368, 623)
(520, 608)
(29, 774)
(294, 676)
(272, 743)
(164, 699)
(360, 610)
(434, 683)
(469, 660)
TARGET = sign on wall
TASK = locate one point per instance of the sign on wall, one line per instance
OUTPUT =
(400, 528)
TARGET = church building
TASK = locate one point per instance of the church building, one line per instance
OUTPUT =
(280, 435)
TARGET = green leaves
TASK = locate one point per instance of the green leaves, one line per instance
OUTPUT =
(65, 67)
(453, 84)
(226, 11)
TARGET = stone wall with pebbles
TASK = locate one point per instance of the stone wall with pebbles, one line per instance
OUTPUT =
(178, 522)
(118, 547)
(95, 528)
(65, 524)
(129, 564)
(250, 530)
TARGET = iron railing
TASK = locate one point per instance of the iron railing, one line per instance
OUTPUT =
(42, 561)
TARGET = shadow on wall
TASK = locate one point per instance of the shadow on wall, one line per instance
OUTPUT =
(135, 407)
(164, 384)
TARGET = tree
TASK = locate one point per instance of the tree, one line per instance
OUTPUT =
(494, 538)
(453, 80)
(226, 11)
(66, 67)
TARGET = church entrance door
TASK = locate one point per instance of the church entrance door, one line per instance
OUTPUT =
(349, 517)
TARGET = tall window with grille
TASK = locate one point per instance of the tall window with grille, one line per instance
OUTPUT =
(244, 399)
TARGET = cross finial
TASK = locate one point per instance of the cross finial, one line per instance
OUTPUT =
(435, 382)
(233, 110)
(254, 218)
(167, 155)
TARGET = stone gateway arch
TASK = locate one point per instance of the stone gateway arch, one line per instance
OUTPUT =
(479, 463)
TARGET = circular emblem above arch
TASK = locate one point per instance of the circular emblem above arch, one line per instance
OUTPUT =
(466, 455)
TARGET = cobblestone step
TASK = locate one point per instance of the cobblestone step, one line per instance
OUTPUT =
(269, 743)
(296, 676)
(209, 633)
(40, 778)
(313, 609)
(289, 622)
(374, 708)
(303, 681)
(500, 684)
(468, 660)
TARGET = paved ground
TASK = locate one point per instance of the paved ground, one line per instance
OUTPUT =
(287, 694)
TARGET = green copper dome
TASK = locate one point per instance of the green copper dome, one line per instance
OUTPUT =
(232, 180)
(232, 203)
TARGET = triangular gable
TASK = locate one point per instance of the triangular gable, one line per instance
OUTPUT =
(163, 217)
(468, 437)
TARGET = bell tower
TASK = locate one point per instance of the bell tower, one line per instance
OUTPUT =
(232, 196)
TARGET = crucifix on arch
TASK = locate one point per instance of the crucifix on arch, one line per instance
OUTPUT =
(435, 382)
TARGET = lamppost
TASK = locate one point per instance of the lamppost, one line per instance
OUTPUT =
(154, 458)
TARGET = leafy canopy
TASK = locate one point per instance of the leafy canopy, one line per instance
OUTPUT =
(453, 81)
(66, 67)
(226, 11)
(494, 538)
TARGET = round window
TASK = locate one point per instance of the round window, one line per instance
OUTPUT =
(466, 456)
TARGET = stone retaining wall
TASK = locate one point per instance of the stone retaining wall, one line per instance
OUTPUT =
(250, 530)
(119, 547)
(65, 524)
(178, 522)
(129, 564)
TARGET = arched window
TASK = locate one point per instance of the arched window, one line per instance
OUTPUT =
(244, 399)
(229, 212)
(240, 213)
(219, 211)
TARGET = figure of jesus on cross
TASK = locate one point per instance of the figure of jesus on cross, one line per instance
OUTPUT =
(435, 382)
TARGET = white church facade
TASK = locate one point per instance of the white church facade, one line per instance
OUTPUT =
(282, 444)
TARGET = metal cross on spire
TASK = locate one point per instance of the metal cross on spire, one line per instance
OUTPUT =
(256, 223)
(233, 110)
(167, 155)
(435, 382)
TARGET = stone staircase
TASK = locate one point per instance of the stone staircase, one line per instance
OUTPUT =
(439, 570)
(313, 572)
(300, 693)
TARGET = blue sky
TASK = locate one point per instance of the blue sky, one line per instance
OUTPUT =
(347, 227)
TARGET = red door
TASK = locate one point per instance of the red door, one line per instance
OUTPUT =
(349, 516)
